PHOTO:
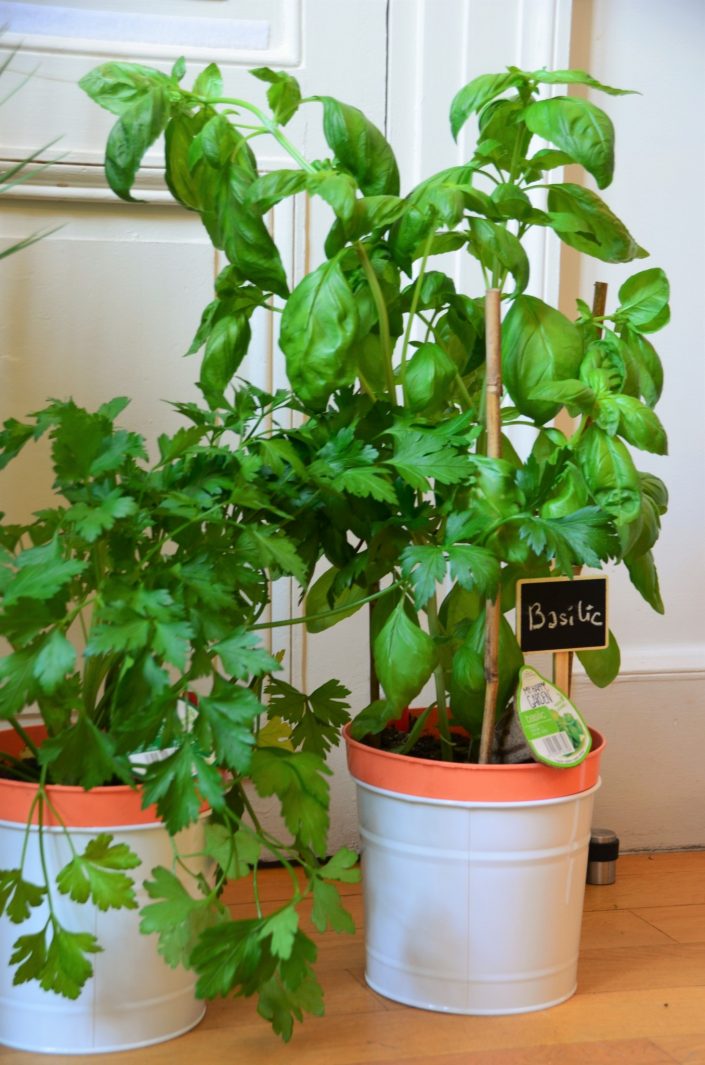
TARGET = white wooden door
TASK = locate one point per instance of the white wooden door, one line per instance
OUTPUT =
(108, 304)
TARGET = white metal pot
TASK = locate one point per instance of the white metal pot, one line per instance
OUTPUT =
(133, 998)
(474, 888)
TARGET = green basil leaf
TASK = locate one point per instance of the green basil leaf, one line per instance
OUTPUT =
(512, 202)
(473, 97)
(576, 396)
(435, 290)
(405, 657)
(320, 598)
(118, 86)
(370, 360)
(467, 687)
(602, 667)
(209, 83)
(360, 148)
(603, 367)
(639, 425)
(467, 670)
(458, 609)
(429, 376)
(570, 495)
(191, 186)
(338, 190)
(539, 346)
(318, 332)
(643, 575)
(226, 346)
(582, 220)
(284, 95)
(270, 189)
(137, 128)
(610, 474)
(643, 298)
(548, 159)
(576, 77)
(640, 535)
(220, 143)
(178, 69)
(504, 135)
(240, 231)
(499, 251)
(578, 128)
(378, 212)
(439, 198)
(373, 718)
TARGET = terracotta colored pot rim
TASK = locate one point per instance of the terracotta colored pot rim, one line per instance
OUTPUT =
(464, 782)
(103, 807)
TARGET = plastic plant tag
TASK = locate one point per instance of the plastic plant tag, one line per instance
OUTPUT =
(154, 752)
(553, 725)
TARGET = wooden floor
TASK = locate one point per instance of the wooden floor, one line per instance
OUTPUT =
(641, 997)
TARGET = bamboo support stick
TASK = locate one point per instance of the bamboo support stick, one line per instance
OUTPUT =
(563, 660)
(374, 679)
(493, 425)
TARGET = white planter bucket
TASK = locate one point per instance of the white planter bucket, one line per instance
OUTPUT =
(133, 998)
(473, 905)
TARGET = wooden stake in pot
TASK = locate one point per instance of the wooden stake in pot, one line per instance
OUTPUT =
(493, 426)
(563, 660)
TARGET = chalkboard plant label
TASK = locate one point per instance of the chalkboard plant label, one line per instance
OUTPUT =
(562, 614)
(554, 727)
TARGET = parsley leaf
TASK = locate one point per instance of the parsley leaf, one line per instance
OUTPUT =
(230, 715)
(297, 779)
(84, 755)
(317, 718)
(243, 656)
(171, 784)
(585, 538)
(176, 917)
(56, 658)
(97, 875)
(18, 896)
(62, 966)
(426, 566)
(421, 457)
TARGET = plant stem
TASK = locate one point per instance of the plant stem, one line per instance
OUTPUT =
(439, 680)
(41, 795)
(326, 613)
(272, 844)
(27, 830)
(381, 307)
(465, 395)
(61, 821)
(19, 729)
(415, 732)
(270, 127)
(412, 310)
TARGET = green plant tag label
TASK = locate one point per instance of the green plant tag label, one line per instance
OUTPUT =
(553, 725)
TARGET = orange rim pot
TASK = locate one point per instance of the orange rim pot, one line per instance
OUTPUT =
(474, 878)
(133, 998)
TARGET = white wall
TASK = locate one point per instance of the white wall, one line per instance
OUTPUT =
(654, 780)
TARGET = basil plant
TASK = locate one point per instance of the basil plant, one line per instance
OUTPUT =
(386, 358)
